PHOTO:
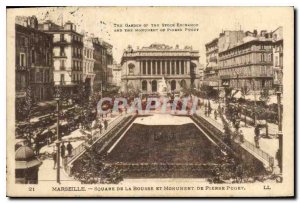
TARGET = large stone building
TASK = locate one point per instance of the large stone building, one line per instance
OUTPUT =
(88, 63)
(143, 69)
(34, 65)
(278, 56)
(103, 57)
(116, 74)
(249, 63)
(211, 69)
(67, 54)
(226, 40)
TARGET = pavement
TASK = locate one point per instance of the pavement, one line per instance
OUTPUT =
(46, 170)
(268, 145)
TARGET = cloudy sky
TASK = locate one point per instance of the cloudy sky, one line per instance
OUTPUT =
(100, 21)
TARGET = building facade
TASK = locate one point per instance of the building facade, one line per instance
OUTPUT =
(67, 55)
(34, 65)
(116, 74)
(226, 40)
(248, 64)
(278, 56)
(103, 57)
(143, 69)
(211, 69)
(88, 63)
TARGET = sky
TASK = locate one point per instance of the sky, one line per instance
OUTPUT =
(211, 20)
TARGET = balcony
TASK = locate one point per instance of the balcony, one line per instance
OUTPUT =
(60, 42)
(61, 55)
(213, 59)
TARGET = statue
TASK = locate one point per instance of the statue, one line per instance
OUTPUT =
(162, 87)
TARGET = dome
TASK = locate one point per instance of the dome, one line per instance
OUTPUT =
(24, 153)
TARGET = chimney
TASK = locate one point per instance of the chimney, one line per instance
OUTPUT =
(255, 33)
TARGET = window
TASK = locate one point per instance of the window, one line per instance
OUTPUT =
(144, 85)
(153, 67)
(168, 68)
(22, 59)
(62, 37)
(276, 60)
(62, 64)
(148, 67)
(262, 57)
(144, 68)
(173, 68)
(131, 69)
(62, 51)
(62, 78)
(32, 56)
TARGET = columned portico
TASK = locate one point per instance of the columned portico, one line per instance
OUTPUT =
(155, 62)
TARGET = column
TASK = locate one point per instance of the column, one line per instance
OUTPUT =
(160, 66)
(166, 62)
(151, 62)
(140, 66)
(146, 67)
(188, 67)
(156, 68)
(184, 68)
(170, 61)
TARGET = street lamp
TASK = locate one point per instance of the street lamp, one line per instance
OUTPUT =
(280, 134)
(253, 81)
(57, 99)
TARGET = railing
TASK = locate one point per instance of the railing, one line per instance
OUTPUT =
(248, 145)
(268, 158)
(80, 148)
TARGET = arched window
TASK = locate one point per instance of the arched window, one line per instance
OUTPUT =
(173, 85)
(154, 86)
(183, 84)
(131, 69)
(144, 85)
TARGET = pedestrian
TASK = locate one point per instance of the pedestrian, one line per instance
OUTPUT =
(256, 131)
(37, 147)
(62, 150)
(216, 114)
(219, 108)
(69, 148)
(100, 127)
(256, 140)
(54, 157)
(241, 136)
(105, 124)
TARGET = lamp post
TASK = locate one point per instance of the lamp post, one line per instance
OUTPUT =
(253, 81)
(57, 99)
(280, 134)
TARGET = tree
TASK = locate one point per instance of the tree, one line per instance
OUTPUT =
(24, 109)
(245, 91)
(24, 106)
(229, 94)
(264, 95)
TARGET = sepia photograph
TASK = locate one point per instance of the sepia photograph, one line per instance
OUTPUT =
(150, 102)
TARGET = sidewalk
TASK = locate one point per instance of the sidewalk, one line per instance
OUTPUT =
(46, 171)
(269, 146)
